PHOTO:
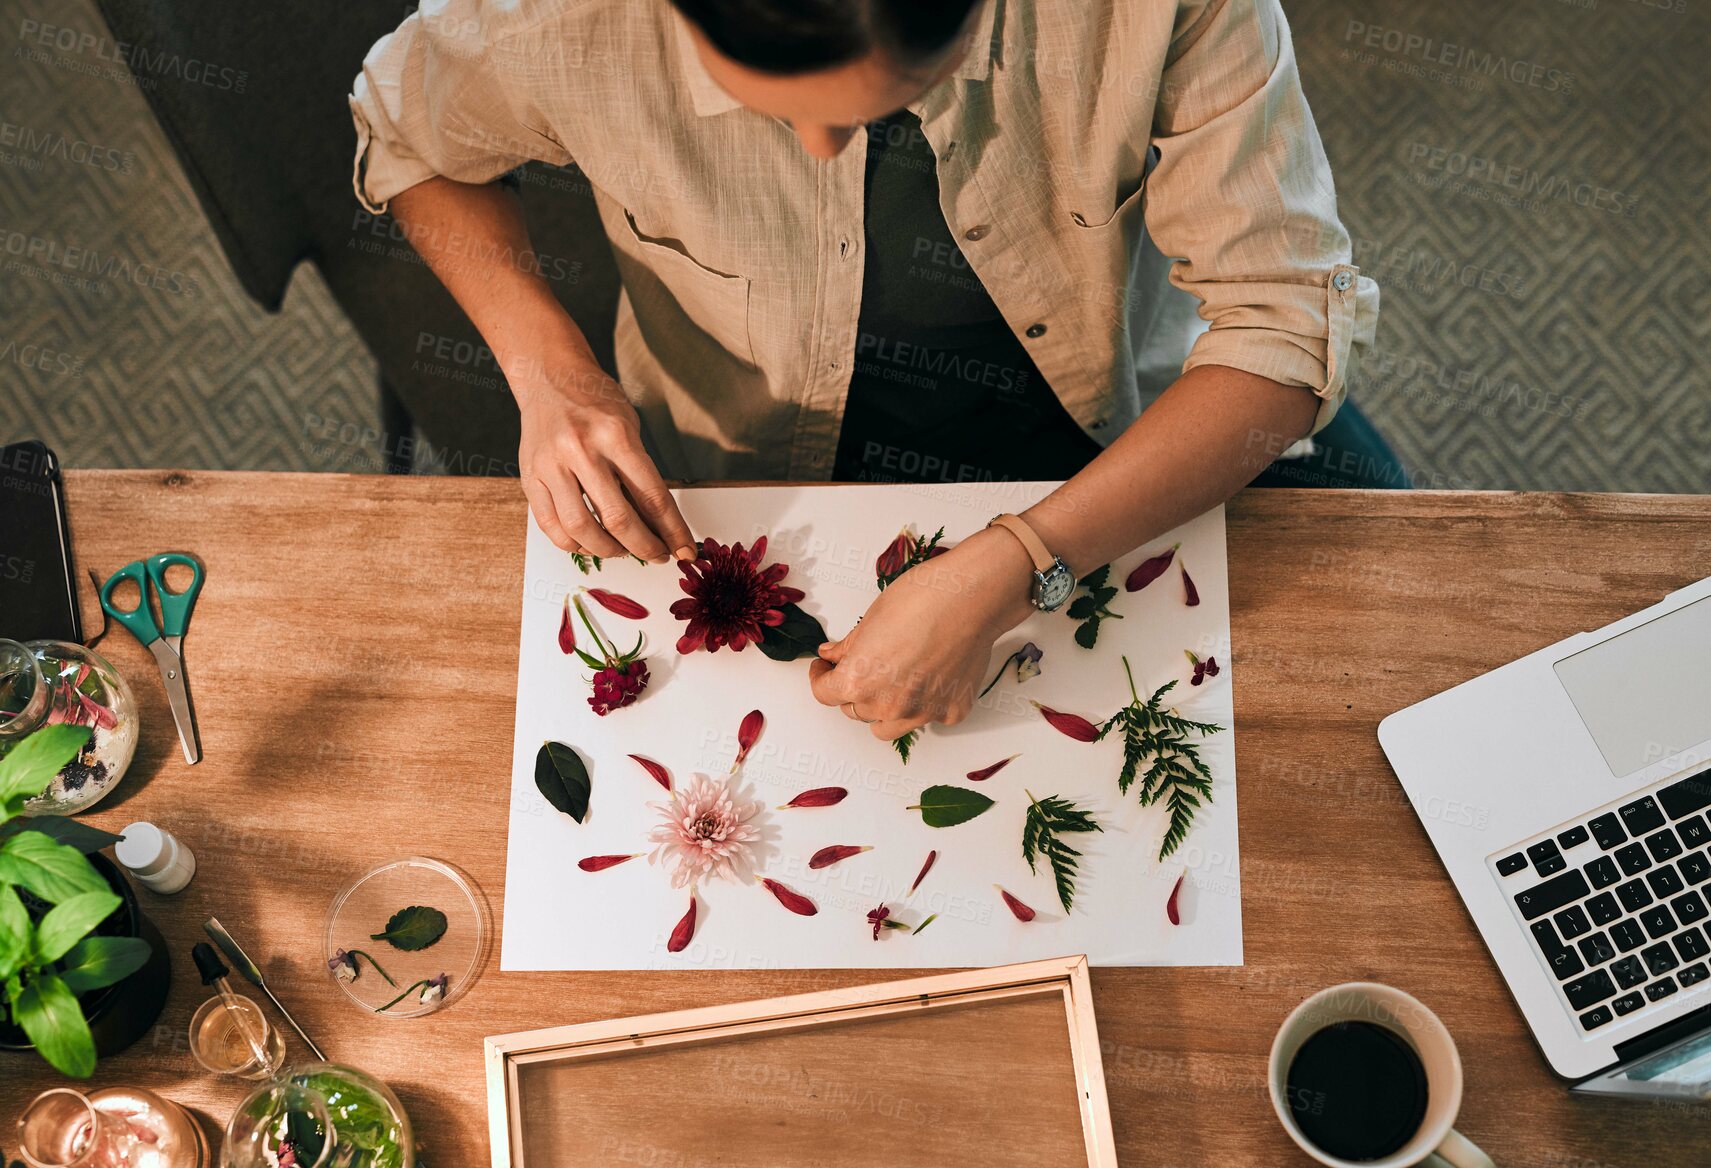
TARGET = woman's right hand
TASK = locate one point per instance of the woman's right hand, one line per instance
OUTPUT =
(588, 479)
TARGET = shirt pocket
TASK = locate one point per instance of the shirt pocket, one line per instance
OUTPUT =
(715, 302)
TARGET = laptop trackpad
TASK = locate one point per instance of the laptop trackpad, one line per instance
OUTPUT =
(1645, 694)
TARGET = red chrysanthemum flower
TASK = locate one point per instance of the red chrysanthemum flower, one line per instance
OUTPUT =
(731, 599)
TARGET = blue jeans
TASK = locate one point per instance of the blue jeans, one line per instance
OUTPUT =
(1348, 452)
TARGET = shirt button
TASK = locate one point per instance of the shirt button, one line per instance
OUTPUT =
(1036, 330)
(976, 233)
(1341, 281)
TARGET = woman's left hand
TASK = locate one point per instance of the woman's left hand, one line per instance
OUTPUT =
(922, 651)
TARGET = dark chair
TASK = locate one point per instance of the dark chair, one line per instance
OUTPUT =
(271, 166)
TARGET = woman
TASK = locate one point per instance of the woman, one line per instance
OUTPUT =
(877, 239)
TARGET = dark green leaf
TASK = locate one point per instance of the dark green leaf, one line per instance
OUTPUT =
(81, 836)
(904, 744)
(51, 1018)
(14, 933)
(946, 806)
(100, 961)
(31, 765)
(413, 928)
(1047, 820)
(563, 779)
(51, 870)
(1087, 634)
(1097, 578)
(69, 922)
(306, 1135)
(1162, 739)
(1081, 608)
(590, 660)
(799, 636)
(1104, 596)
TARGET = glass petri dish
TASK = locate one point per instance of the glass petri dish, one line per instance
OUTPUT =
(363, 909)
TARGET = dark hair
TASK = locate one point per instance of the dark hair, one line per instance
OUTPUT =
(801, 36)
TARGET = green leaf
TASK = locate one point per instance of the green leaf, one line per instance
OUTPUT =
(799, 636)
(1082, 607)
(69, 922)
(30, 766)
(1162, 739)
(563, 779)
(51, 1018)
(1087, 634)
(1048, 819)
(946, 806)
(53, 871)
(413, 928)
(1097, 578)
(905, 743)
(81, 836)
(100, 961)
(14, 934)
(591, 661)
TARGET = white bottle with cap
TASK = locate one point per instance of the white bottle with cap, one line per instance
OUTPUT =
(155, 857)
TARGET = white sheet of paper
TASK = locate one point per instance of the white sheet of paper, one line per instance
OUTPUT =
(558, 917)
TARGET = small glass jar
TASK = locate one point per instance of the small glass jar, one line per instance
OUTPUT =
(44, 683)
(231, 1036)
(115, 1127)
(327, 1114)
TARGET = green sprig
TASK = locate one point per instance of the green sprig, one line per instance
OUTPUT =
(1091, 606)
(1160, 739)
(1047, 820)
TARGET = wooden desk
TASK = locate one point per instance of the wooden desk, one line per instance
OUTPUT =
(357, 638)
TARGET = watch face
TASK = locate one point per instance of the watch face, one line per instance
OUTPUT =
(1053, 588)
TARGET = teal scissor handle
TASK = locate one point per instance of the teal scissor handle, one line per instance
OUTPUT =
(175, 607)
(138, 620)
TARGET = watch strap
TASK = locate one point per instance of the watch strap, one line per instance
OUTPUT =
(1018, 527)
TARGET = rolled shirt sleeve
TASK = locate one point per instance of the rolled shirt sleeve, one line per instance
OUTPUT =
(437, 96)
(1242, 198)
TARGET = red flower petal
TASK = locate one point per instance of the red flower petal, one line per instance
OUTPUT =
(1190, 594)
(685, 930)
(818, 797)
(1211, 667)
(1021, 911)
(895, 555)
(826, 857)
(566, 630)
(1074, 725)
(922, 875)
(794, 901)
(748, 733)
(618, 603)
(1150, 570)
(987, 772)
(660, 774)
(1170, 909)
(601, 863)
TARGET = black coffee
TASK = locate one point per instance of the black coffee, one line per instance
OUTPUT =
(1357, 1091)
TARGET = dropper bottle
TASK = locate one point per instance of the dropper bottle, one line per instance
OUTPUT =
(228, 1033)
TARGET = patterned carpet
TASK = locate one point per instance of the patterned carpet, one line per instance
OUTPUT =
(1530, 183)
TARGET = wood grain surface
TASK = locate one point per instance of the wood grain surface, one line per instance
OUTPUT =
(353, 665)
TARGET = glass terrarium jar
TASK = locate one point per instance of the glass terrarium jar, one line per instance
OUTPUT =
(319, 1115)
(44, 683)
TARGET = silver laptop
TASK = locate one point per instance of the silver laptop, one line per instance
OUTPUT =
(1569, 796)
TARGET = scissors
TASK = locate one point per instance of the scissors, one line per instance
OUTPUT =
(166, 639)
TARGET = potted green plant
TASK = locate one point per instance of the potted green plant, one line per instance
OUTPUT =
(82, 971)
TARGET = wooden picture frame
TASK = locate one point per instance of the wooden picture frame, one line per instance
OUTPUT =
(509, 1057)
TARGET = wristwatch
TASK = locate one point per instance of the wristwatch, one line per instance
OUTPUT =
(1053, 581)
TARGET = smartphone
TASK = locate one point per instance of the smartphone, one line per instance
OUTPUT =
(38, 599)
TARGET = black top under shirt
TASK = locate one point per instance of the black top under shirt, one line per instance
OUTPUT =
(942, 389)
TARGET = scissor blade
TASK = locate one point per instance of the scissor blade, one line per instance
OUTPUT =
(178, 697)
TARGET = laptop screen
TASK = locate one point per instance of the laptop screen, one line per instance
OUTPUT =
(1682, 1071)
(1645, 694)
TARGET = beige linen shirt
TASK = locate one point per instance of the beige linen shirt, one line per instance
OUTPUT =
(741, 256)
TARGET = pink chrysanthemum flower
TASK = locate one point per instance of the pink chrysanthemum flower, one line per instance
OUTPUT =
(705, 834)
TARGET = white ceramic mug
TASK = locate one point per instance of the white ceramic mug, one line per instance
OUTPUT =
(1437, 1143)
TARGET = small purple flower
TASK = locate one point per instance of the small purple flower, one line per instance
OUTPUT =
(434, 991)
(343, 965)
(1027, 660)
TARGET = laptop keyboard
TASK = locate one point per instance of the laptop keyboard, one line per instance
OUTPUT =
(1618, 903)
